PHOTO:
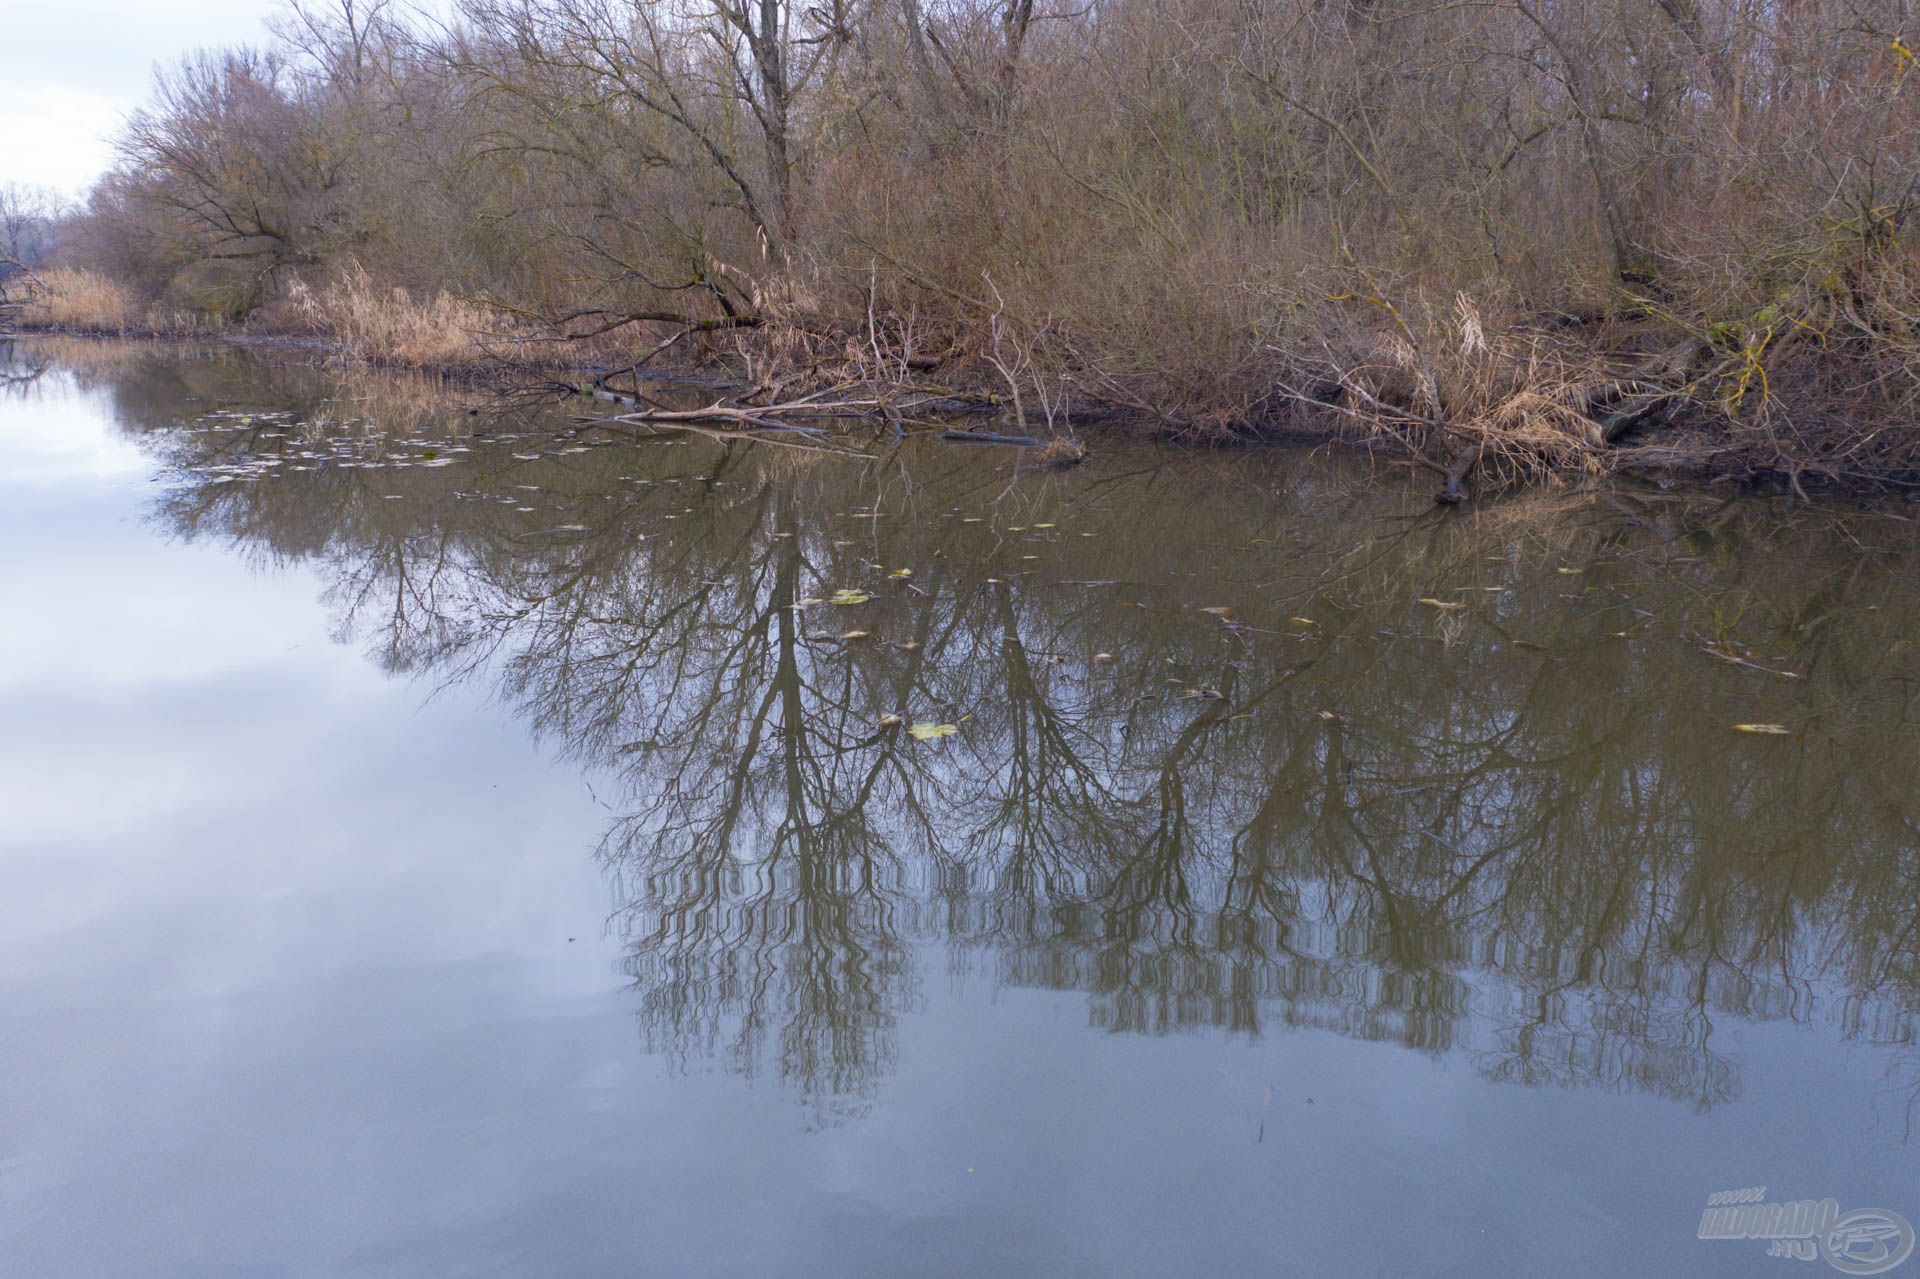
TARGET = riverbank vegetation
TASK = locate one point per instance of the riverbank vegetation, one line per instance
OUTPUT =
(1513, 236)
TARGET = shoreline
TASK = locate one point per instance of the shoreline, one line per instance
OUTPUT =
(1684, 459)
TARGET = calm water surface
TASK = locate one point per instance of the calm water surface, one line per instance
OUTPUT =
(445, 843)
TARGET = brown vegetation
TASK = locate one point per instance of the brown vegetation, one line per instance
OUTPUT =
(379, 324)
(1532, 238)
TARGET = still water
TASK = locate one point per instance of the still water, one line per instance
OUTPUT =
(444, 839)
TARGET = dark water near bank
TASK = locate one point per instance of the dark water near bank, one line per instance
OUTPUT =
(439, 845)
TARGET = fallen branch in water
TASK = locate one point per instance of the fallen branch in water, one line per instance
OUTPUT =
(1059, 452)
(796, 416)
(760, 435)
(992, 437)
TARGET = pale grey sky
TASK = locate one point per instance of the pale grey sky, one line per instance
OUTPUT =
(71, 70)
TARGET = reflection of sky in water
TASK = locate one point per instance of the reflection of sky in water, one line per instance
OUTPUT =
(305, 969)
(46, 444)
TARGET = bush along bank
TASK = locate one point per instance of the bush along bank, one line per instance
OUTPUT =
(1511, 242)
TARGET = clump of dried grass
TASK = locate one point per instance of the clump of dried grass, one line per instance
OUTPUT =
(81, 301)
(391, 325)
(1456, 390)
(73, 300)
(1061, 452)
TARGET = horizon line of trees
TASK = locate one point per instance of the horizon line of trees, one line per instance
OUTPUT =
(31, 219)
(1220, 212)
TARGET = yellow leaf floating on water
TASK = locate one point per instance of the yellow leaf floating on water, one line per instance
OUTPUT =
(888, 720)
(901, 572)
(1771, 730)
(1303, 621)
(1220, 611)
(1103, 657)
(1431, 602)
(847, 595)
(854, 635)
(928, 731)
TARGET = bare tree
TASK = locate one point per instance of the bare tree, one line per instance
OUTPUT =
(29, 226)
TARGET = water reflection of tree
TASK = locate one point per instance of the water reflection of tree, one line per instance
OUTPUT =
(21, 366)
(1507, 831)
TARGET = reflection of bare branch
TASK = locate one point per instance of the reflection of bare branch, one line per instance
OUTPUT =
(1354, 826)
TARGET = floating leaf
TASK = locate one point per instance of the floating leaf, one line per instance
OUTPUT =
(901, 572)
(854, 635)
(1570, 572)
(1103, 657)
(1043, 526)
(1771, 730)
(928, 731)
(847, 595)
(1221, 611)
(1303, 621)
(1449, 605)
(889, 720)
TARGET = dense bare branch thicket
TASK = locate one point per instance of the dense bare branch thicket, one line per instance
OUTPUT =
(1529, 234)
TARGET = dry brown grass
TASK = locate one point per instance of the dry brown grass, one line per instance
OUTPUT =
(392, 326)
(82, 301)
(75, 300)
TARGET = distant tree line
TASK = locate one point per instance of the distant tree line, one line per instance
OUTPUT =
(30, 222)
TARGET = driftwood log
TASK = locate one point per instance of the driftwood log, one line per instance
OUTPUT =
(990, 437)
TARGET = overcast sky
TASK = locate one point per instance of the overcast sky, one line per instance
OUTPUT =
(70, 71)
